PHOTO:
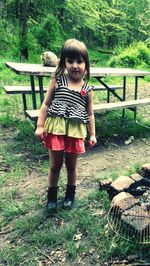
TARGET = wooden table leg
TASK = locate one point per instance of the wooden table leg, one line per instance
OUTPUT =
(24, 102)
(124, 94)
(33, 92)
(41, 88)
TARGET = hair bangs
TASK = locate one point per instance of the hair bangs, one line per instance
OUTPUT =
(74, 52)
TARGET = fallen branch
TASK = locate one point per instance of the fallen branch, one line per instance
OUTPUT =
(6, 232)
(48, 257)
(105, 52)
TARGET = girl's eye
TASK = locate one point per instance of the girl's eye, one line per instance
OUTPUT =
(80, 61)
(69, 61)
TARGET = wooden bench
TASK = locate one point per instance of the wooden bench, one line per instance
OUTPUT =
(23, 90)
(27, 89)
(102, 107)
(112, 89)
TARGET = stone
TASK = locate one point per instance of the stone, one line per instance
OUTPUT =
(122, 202)
(105, 183)
(120, 198)
(136, 220)
(136, 177)
(129, 218)
(120, 184)
(145, 170)
(49, 59)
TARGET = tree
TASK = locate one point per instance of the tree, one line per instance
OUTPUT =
(23, 19)
(80, 16)
(47, 23)
(20, 12)
(136, 11)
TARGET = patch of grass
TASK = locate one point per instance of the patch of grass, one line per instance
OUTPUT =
(134, 169)
(47, 238)
(28, 224)
(18, 255)
(7, 121)
(72, 250)
(112, 125)
(61, 231)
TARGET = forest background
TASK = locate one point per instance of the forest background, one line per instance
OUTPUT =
(29, 27)
(117, 33)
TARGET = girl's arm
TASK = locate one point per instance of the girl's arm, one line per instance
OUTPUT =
(43, 111)
(91, 126)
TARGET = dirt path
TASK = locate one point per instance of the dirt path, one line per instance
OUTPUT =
(114, 156)
(104, 160)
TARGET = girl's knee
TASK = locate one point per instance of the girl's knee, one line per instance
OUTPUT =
(71, 167)
(55, 168)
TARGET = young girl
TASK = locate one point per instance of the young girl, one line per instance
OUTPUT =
(64, 116)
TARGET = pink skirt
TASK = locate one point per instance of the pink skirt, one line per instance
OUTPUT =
(65, 143)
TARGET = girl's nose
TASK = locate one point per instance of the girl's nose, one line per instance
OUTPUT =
(75, 64)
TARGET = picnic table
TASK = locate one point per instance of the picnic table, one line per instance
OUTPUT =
(40, 71)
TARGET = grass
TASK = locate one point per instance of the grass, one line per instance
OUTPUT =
(28, 235)
(32, 236)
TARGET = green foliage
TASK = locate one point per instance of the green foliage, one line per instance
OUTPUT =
(39, 26)
(143, 53)
(49, 34)
(34, 46)
(9, 39)
(136, 54)
(147, 42)
(87, 15)
(25, 130)
(6, 121)
(111, 125)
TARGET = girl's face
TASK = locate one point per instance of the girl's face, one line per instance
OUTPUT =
(75, 68)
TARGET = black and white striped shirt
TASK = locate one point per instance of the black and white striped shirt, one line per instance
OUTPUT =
(69, 103)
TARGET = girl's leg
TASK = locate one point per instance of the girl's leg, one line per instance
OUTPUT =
(56, 161)
(71, 166)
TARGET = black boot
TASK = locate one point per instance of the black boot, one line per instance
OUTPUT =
(69, 197)
(52, 199)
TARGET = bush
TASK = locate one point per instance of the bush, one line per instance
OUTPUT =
(134, 55)
(143, 53)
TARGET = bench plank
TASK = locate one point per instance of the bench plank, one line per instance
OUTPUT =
(21, 89)
(102, 107)
(124, 104)
(102, 88)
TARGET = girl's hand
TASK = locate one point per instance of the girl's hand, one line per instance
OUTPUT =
(39, 132)
(92, 141)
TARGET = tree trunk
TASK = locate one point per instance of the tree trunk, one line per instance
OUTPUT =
(110, 42)
(23, 30)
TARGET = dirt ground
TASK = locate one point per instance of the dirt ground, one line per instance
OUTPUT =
(103, 160)
(92, 166)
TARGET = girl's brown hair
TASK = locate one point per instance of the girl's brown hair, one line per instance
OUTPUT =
(73, 49)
